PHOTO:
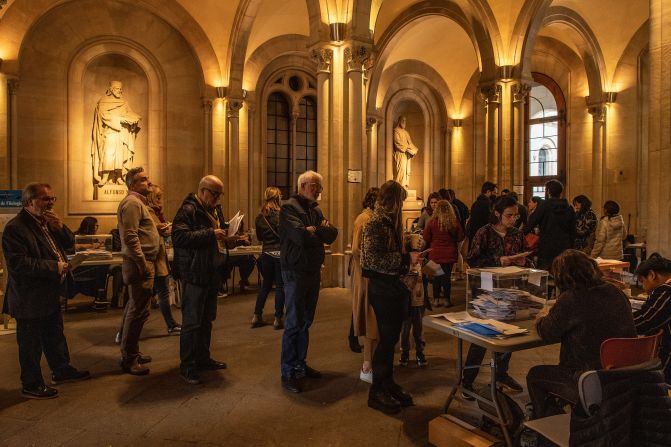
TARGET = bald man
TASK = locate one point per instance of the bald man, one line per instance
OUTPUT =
(200, 241)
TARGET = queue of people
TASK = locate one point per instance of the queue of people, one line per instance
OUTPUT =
(387, 292)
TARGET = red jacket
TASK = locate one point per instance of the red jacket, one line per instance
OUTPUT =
(443, 243)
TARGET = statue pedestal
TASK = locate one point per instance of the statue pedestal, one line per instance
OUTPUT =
(111, 193)
(412, 208)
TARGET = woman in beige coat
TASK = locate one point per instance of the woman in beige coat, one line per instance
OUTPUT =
(610, 233)
(364, 322)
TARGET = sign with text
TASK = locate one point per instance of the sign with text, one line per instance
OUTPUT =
(10, 198)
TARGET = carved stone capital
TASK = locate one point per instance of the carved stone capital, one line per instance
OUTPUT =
(13, 86)
(491, 94)
(206, 103)
(358, 58)
(520, 91)
(323, 57)
(370, 122)
(233, 108)
(598, 112)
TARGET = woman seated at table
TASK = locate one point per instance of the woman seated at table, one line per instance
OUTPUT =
(655, 277)
(588, 311)
(494, 245)
(89, 280)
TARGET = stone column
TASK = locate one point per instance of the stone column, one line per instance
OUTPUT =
(446, 135)
(659, 147)
(598, 112)
(370, 176)
(13, 89)
(5, 163)
(233, 163)
(323, 57)
(254, 187)
(491, 94)
(207, 135)
(519, 92)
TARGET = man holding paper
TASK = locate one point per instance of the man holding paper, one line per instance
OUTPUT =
(34, 244)
(200, 241)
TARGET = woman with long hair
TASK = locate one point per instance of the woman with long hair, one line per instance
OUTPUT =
(588, 311)
(443, 234)
(384, 260)
(88, 226)
(161, 278)
(363, 317)
(431, 204)
(585, 224)
(610, 232)
(267, 231)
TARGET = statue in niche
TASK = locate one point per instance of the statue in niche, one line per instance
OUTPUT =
(404, 150)
(115, 127)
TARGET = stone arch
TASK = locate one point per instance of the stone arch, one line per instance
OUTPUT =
(423, 72)
(242, 28)
(637, 44)
(266, 53)
(476, 31)
(591, 51)
(20, 17)
(527, 25)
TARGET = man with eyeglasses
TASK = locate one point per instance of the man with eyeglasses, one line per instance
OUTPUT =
(140, 246)
(201, 243)
(34, 244)
(303, 233)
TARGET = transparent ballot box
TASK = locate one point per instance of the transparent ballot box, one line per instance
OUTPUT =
(506, 293)
(96, 246)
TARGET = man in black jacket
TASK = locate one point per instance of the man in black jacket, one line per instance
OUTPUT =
(34, 244)
(556, 219)
(303, 233)
(481, 209)
(199, 239)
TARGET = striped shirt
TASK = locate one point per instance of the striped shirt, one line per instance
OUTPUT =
(655, 315)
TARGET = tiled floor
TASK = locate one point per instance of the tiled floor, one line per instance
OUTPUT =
(241, 406)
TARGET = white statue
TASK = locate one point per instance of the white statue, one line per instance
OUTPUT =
(115, 127)
(404, 150)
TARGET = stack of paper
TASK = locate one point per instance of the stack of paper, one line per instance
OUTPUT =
(97, 255)
(487, 328)
(506, 304)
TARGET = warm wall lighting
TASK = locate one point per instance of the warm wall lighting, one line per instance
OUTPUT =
(337, 31)
(506, 72)
(610, 97)
(221, 92)
(457, 123)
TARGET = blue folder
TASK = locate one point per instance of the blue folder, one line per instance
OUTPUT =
(480, 329)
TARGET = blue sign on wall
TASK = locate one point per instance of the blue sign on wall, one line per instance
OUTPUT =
(10, 198)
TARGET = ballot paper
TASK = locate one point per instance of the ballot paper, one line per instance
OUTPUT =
(234, 224)
(535, 277)
(462, 319)
(77, 259)
(486, 281)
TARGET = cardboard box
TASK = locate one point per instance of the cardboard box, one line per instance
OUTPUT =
(448, 431)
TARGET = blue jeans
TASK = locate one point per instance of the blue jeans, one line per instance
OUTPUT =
(301, 291)
(271, 272)
(199, 310)
(161, 289)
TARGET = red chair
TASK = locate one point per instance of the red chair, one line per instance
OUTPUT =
(622, 352)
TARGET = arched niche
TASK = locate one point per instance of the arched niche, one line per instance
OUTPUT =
(429, 167)
(92, 69)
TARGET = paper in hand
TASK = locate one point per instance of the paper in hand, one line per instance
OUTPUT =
(78, 259)
(234, 224)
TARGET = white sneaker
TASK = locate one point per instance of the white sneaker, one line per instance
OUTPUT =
(366, 376)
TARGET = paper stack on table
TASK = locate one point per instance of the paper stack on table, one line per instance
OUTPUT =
(506, 304)
(500, 330)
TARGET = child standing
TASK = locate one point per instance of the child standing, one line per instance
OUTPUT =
(415, 314)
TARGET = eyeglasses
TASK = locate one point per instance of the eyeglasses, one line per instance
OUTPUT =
(318, 186)
(215, 194)
(511, 216)
(47, 198)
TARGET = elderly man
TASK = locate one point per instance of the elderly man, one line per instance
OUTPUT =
(34, 244)
(200, 241)
(139, 246)
(303, 233)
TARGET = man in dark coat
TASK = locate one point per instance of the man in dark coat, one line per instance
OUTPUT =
(200, 239)
(303, 233)
(556, 219)
(34, 244)
(481, 209)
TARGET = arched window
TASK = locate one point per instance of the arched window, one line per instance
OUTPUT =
(545, 136)
(291, 131)
(278, 158)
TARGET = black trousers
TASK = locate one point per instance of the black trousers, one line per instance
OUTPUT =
(37, 335)
(390, 303)
(413, 322)
(547, 382)
(199, 310)
(476, 354)
(442, 285)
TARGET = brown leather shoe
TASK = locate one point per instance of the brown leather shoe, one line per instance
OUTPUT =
(133, 367)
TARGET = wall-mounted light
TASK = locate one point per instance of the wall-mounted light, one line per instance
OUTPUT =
(506, 71)
(610, 97)
(457, 122)
(337, 31)
(221, 92)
